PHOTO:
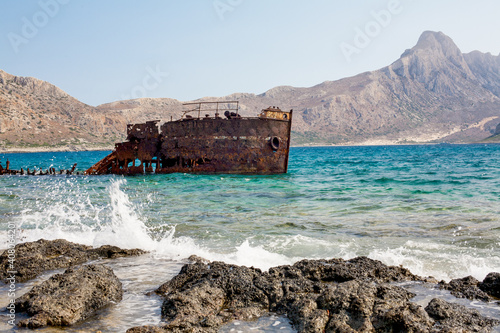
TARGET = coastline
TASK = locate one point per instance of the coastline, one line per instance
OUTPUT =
(396, 205)
(368, 143)
(149, 303)
(14, 150)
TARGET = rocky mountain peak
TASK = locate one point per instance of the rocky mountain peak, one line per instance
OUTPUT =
(437, 63)
(436, 49)
(437, 41)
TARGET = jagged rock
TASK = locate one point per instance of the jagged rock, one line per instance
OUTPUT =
(146, 329)
(199, 292)
(467, 287)
(457, 318)
(491, 284)
(111, 252)
(339, 270)
(370, 307)
(33, 258)
(68, 298)
(316, 295)
(195, 258)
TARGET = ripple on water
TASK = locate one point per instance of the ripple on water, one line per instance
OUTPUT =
(432, 209)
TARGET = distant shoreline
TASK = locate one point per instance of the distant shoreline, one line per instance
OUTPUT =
(365, 144)
(51, 149)
(15, 150)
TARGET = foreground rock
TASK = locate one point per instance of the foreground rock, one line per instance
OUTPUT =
(316, 295)
(457, 318)
(33, 258)
(491, 284)
(68, 298)
(470, 288)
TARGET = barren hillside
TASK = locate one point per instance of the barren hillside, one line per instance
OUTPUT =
(432, 93)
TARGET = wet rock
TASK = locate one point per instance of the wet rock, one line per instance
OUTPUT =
(467, 287)
(68, 298)
(112, 252)
(195, 258)
(339, 270)
(146, 329)
(209, 295)
(362, 306)
(33, 258)
(316, 295)
(491, 284)
(457, 318)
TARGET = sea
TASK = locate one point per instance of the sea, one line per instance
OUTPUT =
(434, 209)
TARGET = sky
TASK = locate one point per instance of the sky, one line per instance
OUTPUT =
(103, 51)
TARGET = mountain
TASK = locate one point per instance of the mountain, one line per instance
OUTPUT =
(35, 113)
(432, 93)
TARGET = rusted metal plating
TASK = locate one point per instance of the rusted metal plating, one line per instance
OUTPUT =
(204, 143)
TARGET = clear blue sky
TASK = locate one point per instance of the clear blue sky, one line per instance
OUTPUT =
(101, 51)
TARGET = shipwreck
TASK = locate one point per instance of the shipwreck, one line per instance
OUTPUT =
(50, 171)
(210, 137)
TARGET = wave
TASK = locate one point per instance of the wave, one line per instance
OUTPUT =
(109, 216)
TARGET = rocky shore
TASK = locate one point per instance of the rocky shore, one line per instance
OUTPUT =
(331, 295)
(71, 297)
(34, 258)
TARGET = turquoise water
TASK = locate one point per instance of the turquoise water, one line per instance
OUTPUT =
(433, 209)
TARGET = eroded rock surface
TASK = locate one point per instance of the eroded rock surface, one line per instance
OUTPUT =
(68, 298)
(33, 258)
(470, 288)
(316, 295)
(457, 318)
(491, 284)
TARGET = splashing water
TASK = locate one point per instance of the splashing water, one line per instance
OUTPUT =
(125, 229)
(433, 209)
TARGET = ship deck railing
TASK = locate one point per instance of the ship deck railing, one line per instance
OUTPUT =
(202, 107)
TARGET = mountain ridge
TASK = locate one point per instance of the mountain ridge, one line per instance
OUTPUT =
(432, 93)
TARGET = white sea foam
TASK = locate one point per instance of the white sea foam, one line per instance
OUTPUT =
(125, 228)
(257, 256)
(245, 254)
(444, 262)
(122, 223)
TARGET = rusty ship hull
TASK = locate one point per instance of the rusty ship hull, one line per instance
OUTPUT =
(209, 144)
